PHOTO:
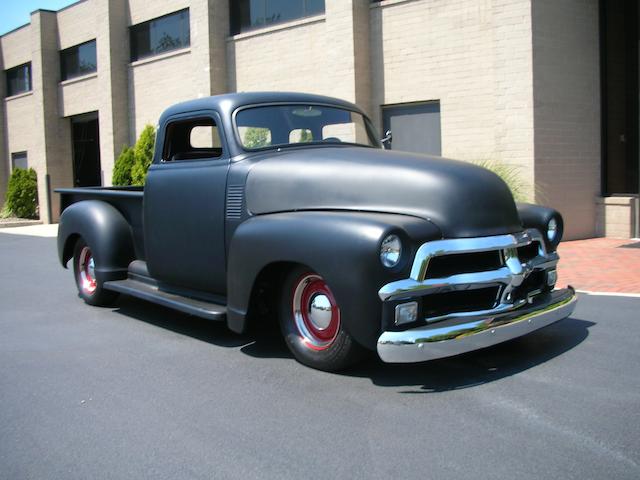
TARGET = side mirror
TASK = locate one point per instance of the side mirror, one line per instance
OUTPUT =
(387, 139)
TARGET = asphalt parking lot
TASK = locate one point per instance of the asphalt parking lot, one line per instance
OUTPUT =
(139, 391)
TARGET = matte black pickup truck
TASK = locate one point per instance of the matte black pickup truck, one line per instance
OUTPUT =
(287, 203)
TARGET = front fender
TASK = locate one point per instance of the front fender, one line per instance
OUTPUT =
(106, 232)
(343, 247)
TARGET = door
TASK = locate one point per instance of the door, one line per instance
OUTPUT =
(184, 205)
(86, 150)
(415, 127)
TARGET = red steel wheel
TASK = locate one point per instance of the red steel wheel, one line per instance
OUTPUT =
(84, 269)
(312, 323)
(87, 270)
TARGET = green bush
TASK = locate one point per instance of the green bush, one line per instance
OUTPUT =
(143, 154)
(256, 137)
(122, 168)
(510, 175)
(21, 199)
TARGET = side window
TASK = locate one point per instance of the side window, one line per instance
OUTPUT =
(193, 139)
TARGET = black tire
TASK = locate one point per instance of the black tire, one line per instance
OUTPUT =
(321, 345)
(89, 288)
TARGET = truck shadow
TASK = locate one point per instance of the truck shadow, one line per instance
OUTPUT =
(455, 373)
(482, 366)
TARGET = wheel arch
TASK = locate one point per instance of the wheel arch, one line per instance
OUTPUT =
(106, 232)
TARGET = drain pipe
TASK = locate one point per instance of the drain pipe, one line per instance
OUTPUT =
(637, 235)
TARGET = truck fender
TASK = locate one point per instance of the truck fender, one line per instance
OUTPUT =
(342, 247)
(106, 232)
(537, 216)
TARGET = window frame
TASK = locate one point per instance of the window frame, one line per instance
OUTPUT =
(236, 27)
(22, 153)
(8, 71)
(135, 55)
(64, 75)
(186, 117)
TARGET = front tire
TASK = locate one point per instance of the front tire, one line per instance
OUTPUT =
(312, 326)
(89, 287)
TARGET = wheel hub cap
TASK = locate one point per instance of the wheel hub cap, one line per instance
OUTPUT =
(315, 312)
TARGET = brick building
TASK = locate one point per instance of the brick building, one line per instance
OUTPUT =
(548, 86)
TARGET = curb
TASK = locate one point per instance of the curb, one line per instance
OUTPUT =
(19, 223)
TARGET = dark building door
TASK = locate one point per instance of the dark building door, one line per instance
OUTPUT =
(619, 61)
(415, 127)
(86, 150)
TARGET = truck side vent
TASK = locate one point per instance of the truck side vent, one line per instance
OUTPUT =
(235, 199)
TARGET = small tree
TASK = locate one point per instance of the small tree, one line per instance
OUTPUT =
(21, 199)
(122, 168)
(143, 154)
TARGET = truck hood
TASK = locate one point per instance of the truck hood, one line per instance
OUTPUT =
(461, 199)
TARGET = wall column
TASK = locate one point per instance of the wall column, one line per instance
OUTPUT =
(349, 50)
(209, 30)
(4, 155)
(112, 49)
(52, 153)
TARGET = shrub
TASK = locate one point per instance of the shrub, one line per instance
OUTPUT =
(510, 175)
(21, 199)
(256, 137)
(122, 168)
(143, 154)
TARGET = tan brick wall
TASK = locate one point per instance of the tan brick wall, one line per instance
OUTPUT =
(77, 24)
(290, 59)
(15, 47)
(20, 134)
(615, 217)
(155, 84)
(79, 96)
(472, 56)
(567, 110)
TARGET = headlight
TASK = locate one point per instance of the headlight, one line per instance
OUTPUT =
(552, 229)
(390, 251)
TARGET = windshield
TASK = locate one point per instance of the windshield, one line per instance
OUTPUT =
(290, 125)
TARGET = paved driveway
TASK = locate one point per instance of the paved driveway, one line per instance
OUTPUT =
(139, 391)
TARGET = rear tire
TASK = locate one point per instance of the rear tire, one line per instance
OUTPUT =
(312, 326)
(90, 288)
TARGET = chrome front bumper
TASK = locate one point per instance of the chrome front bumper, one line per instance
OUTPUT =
(438, 341)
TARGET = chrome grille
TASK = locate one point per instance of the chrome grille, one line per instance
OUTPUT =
(513, 263)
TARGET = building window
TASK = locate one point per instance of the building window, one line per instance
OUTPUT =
(79, 60)
(19, 160)
(19, 79)
(250, 14)
(159, 35)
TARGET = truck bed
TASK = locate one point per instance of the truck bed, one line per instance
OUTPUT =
(127, 200)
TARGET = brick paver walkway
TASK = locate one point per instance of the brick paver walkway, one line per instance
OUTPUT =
(600, 265)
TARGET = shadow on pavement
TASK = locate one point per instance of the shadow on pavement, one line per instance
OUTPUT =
(482, 366)
(463, 371)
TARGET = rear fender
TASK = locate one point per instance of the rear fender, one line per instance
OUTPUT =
(106, 232)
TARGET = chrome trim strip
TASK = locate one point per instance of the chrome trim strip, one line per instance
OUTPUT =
(432, 342)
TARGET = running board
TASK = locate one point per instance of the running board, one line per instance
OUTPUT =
(135, 288)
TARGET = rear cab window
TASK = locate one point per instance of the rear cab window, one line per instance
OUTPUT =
(192, 139)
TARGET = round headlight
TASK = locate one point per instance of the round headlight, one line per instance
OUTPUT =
(390, 251)
(552, 229)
